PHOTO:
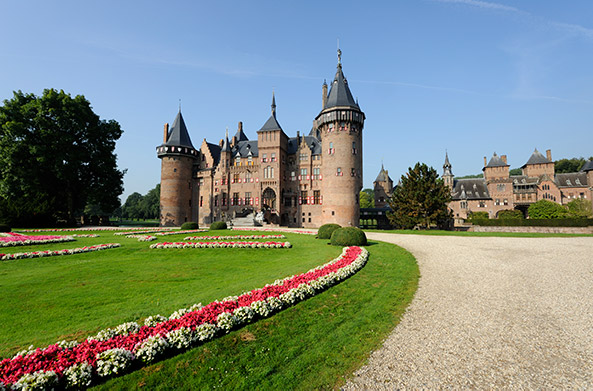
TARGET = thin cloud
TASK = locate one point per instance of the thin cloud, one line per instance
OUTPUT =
(482, 4)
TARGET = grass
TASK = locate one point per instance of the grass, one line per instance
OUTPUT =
(467, 233)
(313, 345)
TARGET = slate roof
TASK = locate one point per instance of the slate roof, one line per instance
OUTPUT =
(225, 144)
(339, 93)
(178, 135)
(588, 166)
(524, 180)
(470, 189)
(496, 161)
(572, 179)
(271, 124)
(293, 145)
(246, 147)
(240, 135)
(383, 176)
(537, 158)
(214, 151)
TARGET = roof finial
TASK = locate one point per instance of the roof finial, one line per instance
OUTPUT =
(180, 105)
(273, 103)
(227, 132)
(339, 54)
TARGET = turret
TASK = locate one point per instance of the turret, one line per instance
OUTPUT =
(447, 173)
(177, 156)
(382, 187)
(340, 125)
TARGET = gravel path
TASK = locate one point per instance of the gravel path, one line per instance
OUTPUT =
(491, 313)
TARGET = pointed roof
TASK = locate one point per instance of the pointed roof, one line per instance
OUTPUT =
(225, 144)
(272, 123)
(178, 135)
(383, 175)
(447, 166)
(588, 166)
(496, 161)
(537, 158)
(240, 135)
(339, 93)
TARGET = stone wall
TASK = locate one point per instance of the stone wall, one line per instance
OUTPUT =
(555, 230)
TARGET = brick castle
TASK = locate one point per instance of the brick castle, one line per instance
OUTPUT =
(303, 181)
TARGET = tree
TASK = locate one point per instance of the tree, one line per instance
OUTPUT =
(477, 216)
(509, 214)
(138, 206)
(367, 198)
(131, 208)
(515, 171)
(420, 200)
(544, 209)
(580, 208)
(568, 165)
(56, 157)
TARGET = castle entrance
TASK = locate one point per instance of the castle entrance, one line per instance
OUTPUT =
(269, 198)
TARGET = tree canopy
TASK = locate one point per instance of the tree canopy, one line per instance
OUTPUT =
(420, 200)
(367, 198)
(544, 209)
(138, 206)
(56, 158)
(569, 165)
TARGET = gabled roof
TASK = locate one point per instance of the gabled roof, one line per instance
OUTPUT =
(383, 176)
(178, 135)
(496, 161)
(572, 179)
(313, 143)
(537, 158)
(470, 189)
(339, 93)
(214, 151)
(588, 166)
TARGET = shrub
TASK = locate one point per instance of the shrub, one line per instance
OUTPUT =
(217, 225)
(477, 216)
(544, 209)
(535, 222)
(190, 225)
(326, 231)
(510, 214)
(4, 228)
(349, 236)
(580, 208)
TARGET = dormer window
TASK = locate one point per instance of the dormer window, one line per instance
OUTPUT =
(568, 182)
(577, 181)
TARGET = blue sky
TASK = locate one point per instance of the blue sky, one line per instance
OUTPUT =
(467, 76)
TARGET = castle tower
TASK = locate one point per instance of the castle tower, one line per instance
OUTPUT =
(382, 187)
(447, 173)
(340, 125)
(177, 156)
(588, 168)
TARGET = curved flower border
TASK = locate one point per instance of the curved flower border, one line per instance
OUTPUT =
(231, 237)
(295, 231)
(25, 240)
(96, 229)
(142, 238)
(112, 351)
(221, 245)
(51, 253)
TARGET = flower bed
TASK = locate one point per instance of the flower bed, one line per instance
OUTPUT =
(15, 239)
(50, 253)
(241, 237)
(142, 238)
(297, 231)
(189, 231)
(222, 245)
(95, 229)
(85, 236)
(112, 351)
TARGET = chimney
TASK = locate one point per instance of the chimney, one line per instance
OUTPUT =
(233, 141)
(324, 93)
(504, 158)
(166, 133)
(240, 126)
(221, 142)
(298, 137)
(485, 161)
(549, 154)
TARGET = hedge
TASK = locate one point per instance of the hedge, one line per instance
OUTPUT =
(326, 231)
(190, 225)
(534, 222)
(349, 236)
(4, 228)
(218, 225)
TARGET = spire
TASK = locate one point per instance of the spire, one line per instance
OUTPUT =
(178, 135)
(225, 145)
(273, 104)
(447, 166)
(339, 94)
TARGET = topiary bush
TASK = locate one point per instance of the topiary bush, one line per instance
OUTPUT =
(217, 225)
(326, 231)
(190, 225)
(348, 236)
(510, 214)
(4, 228)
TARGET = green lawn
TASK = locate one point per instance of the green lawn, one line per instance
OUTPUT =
(312, 345)
(466, 233)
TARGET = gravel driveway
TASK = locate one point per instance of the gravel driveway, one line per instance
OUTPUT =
(491, 313)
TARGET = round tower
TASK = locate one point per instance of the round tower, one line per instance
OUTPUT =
(340, 125)
(177, 156)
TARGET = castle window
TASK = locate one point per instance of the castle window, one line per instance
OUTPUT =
(248, 198)
(287, 201)
(303, 173)
(269, 172)
(330, 127)
(316, 197)
(247, 176)
(235, 200)
(497, 201)
(236, 177)
(264, 158)
(250, 160)
(342, 126)
(582, 195)
(215, 200)
(339, 171)
(238, 160)
(568, 182)
(273, 157)
(463, 204)
(577, 181)
(353, 172)
(293, 176)
(316, 174)
(201, 201)
(224, 197)
(201, 182)
(304, 198)
(331, 149)
(505, 201)
(174, 170)
(303, 157)
(354, 148)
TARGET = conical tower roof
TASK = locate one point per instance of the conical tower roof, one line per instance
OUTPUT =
(339, 93)
(225, 145)
(588, 166)
(178, 135)
(447, 166)
(537, 158)
(383, 175)
(496, 161)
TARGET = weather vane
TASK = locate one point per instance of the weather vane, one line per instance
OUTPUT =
(339, 52)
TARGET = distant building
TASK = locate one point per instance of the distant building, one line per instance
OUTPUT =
(499, 190)
(303, 181)
(382, 188)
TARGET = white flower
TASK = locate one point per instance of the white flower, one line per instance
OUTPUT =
(244, 314)
(226, 321)
(206, 331)
(178, 314)
(274, 303)
(261, 307)
(151, 348)
(113, 361)
(152, 321)
(79, 375)
(67, 344)
(40, 380)
(181, 338)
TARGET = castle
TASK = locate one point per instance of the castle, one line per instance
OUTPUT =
(498, 190)
(303, 181)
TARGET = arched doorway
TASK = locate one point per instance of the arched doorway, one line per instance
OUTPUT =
(269, 199)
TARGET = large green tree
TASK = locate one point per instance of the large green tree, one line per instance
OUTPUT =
(544, 209)
(138, 206)
(56, 157)
(569, 165)
(367, 198)
(420, 200)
